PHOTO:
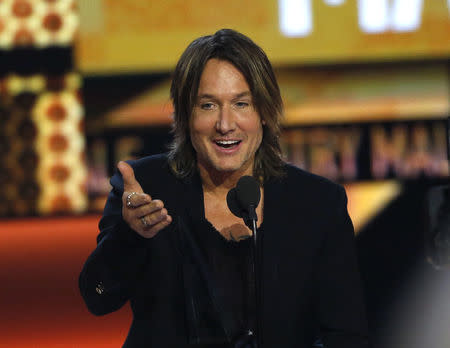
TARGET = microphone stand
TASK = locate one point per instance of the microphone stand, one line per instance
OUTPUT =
(250, 221)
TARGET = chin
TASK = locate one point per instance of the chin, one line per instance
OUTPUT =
(225, 169)
(229, 167)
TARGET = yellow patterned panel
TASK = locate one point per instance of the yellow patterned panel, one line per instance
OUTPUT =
(37, 23)
(60, 143)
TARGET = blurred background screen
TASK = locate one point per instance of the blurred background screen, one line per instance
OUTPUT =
(136, 35)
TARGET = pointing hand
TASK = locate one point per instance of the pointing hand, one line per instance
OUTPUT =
(143, 214)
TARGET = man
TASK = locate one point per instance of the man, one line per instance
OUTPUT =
(170, 245)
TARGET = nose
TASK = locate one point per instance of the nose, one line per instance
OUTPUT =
(226, 120)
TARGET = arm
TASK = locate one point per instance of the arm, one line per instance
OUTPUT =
(109, 274)
(112, 270)
(341, 311)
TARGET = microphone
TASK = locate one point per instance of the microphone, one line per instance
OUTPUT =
(243, 200)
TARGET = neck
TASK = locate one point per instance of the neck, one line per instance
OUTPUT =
(219, 182)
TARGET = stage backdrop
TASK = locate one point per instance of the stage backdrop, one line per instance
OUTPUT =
(137, 35)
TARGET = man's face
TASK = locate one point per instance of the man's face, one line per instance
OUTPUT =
(225, 128)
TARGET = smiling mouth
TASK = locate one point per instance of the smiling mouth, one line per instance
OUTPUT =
(226, 144)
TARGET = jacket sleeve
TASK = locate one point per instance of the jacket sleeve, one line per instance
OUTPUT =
(110, 273)
(341, 309)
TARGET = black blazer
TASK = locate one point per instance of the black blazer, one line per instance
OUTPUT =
(310, 284)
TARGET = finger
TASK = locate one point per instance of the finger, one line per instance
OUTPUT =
(130, 184)
(156, 217)
(136, 199)
(152, 231)
(149, 208)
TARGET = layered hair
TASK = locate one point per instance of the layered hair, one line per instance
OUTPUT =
(239, 50)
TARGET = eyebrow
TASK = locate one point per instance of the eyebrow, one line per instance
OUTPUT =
(237, 96)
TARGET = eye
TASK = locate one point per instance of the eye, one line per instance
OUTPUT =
(242, 104)
(207, 106)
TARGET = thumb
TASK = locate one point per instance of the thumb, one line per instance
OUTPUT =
(130, 183)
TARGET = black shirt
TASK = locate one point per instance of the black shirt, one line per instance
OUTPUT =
(230, 264)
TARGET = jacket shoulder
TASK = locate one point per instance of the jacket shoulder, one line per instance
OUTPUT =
(312, 182)
(320, 193)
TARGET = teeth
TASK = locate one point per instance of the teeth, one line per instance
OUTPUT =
(227, 142)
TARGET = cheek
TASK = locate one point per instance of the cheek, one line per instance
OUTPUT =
(200, 125)
(198, 130)
(257, 130)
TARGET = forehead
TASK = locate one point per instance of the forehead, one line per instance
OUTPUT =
(220, 77)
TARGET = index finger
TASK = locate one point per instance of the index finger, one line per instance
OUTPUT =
(136, 199)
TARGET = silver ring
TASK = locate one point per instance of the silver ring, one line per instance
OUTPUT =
(144, 222)
(129, 199)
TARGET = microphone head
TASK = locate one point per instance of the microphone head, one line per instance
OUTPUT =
(245, 195)
(233, 203)
(247, 192)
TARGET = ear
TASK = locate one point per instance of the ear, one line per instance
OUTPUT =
(263, 122)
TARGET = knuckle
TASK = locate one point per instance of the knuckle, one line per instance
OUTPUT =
(153, 207)
(154, 220)
(147, 197)
(158, 203)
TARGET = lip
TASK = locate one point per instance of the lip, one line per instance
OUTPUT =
(227, 151)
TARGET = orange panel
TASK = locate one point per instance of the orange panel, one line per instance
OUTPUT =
(40, 260)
